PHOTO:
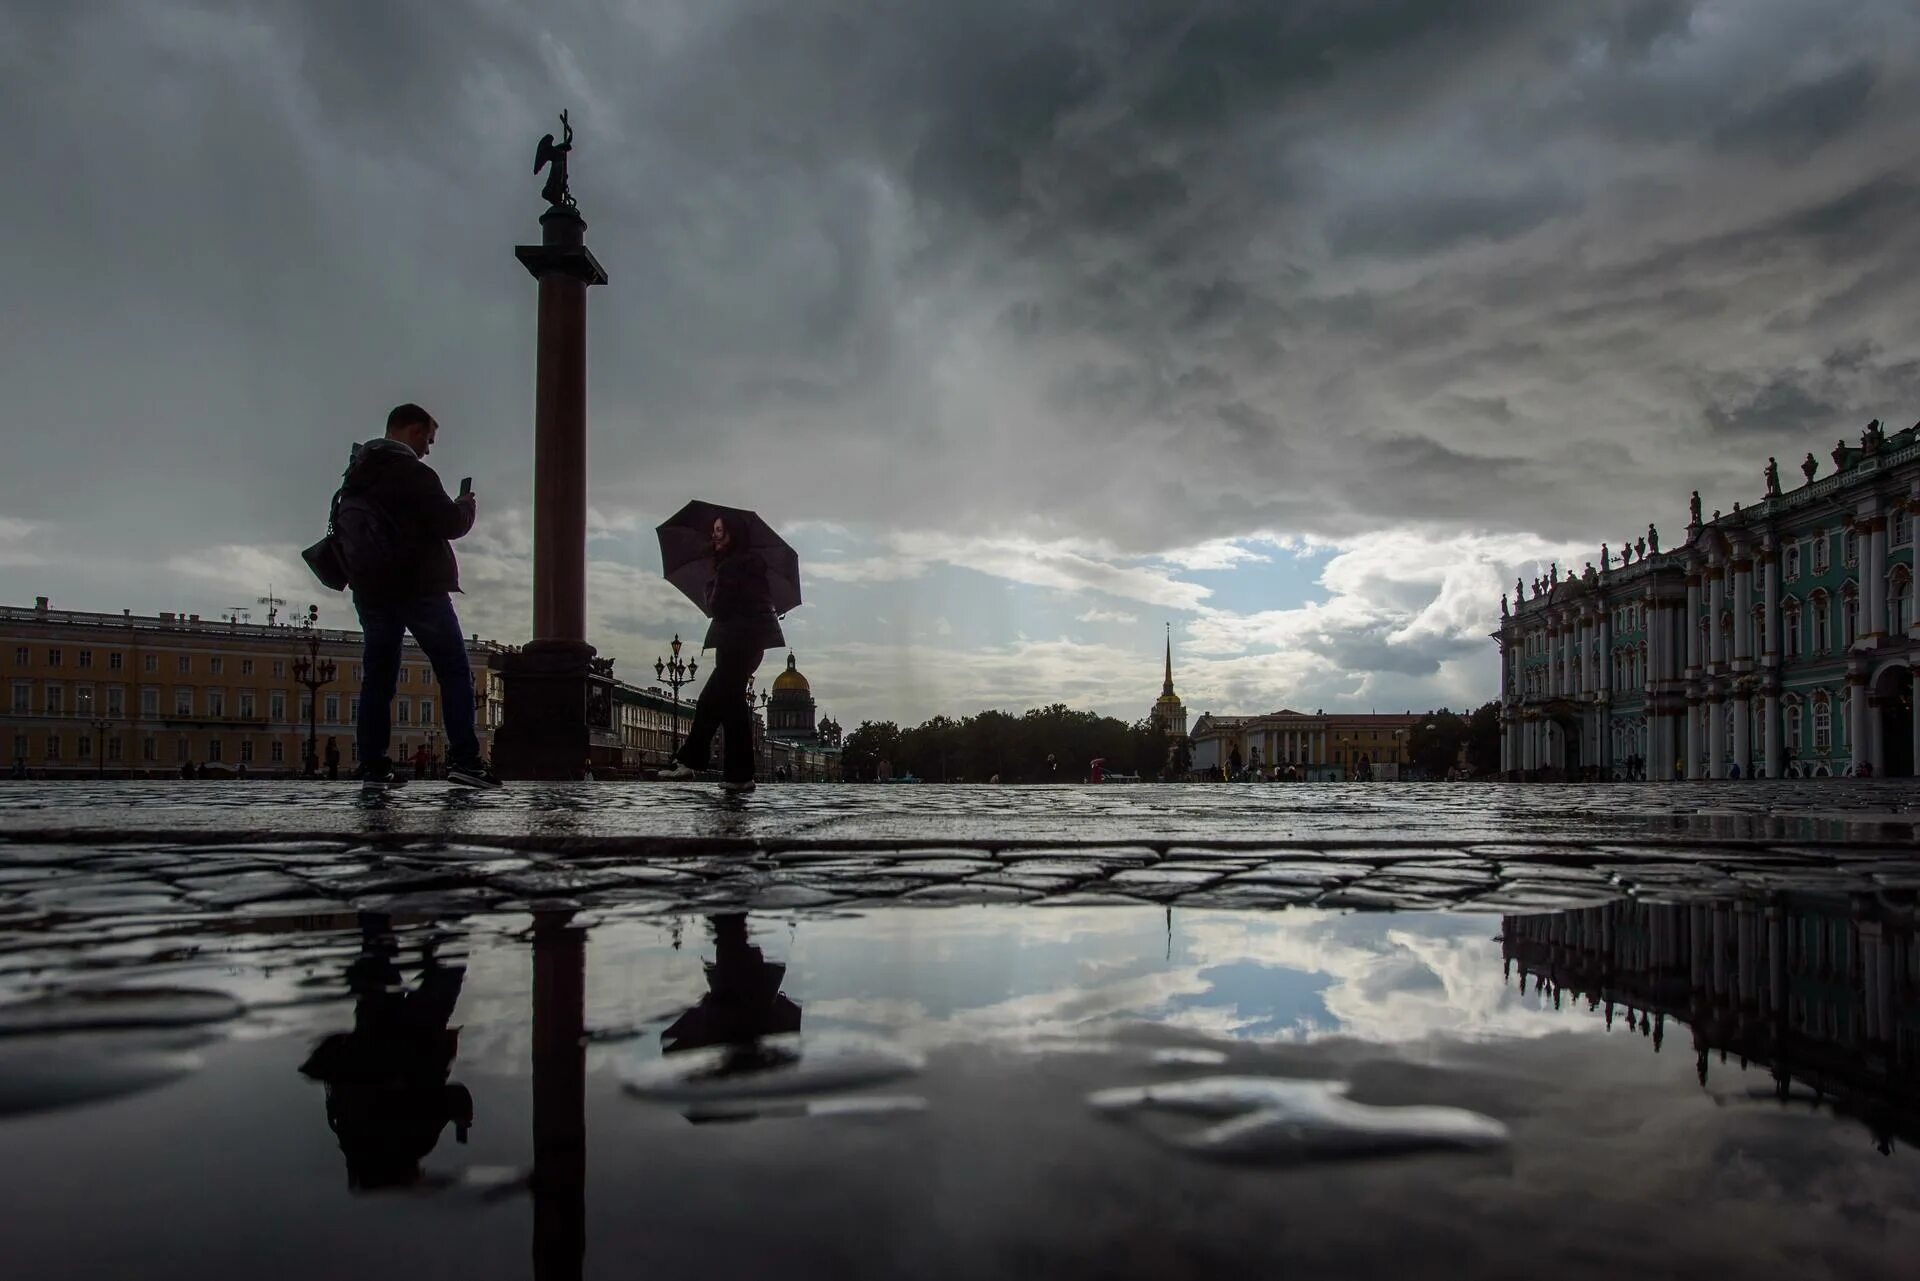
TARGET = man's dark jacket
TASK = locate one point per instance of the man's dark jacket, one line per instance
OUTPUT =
(741, 604)
(424, 521)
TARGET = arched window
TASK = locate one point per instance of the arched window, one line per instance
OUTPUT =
(1850, 548)
(1849, 615)
(1790, 712)
(1900, 532)
(1640, 668)
(1822, 636)
(1793, 562)
(1790, 625)
(1822, 550)
(1822, 721)
(1899, 600)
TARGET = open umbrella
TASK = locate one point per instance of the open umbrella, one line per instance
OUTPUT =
(686, 552)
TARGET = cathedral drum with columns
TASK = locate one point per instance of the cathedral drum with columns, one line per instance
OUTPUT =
(1777, 641)
(790, 708)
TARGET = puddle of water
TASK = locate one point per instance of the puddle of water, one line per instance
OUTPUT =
(968, 1091)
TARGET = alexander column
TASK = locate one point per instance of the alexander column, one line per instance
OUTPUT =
(543, 728)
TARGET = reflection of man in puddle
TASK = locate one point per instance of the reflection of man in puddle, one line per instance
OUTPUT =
(388, 1097)
(743, 1004)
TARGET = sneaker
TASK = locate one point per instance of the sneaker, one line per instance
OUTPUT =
(677, 772)
(381, 773)
(738, 787)
(472, 774)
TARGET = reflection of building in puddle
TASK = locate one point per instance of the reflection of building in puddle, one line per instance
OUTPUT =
(388, 1097)
(743, 1004)
(1822, 990)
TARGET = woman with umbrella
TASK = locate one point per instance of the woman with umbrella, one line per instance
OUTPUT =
(739, 598)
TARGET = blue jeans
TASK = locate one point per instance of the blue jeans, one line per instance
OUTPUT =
(434, 624)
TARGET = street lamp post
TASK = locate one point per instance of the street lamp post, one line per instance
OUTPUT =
(433, 752)
(672, 672)
(100, 729)
(313, 672)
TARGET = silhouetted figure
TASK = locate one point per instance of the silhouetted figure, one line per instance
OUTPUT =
(744, 627)
(388, 1097)
(333, 760)
(743, 1003)
(186, 769)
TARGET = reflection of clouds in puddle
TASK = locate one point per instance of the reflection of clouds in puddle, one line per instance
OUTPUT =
(1244, 976)
(934, 977)
(1389, 978)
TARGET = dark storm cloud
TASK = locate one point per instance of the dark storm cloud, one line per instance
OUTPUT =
(1413, 228)
(1798, 119)
(1784, 403)
(1143, 272)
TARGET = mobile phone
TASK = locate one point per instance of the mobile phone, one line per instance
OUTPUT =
(466, 486)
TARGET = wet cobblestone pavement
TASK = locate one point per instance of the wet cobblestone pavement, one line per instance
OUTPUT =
(76, 852)
(959, 1032)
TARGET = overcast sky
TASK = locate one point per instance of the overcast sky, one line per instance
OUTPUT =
(1305, 327)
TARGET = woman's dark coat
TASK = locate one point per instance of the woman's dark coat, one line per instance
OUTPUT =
(741, 606)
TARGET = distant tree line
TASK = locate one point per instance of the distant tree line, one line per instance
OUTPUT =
(1435, 743)
(974, 748)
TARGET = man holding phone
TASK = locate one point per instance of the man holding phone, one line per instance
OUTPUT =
(397, 524)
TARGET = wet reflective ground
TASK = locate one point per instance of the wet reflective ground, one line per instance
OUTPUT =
(207, 1071)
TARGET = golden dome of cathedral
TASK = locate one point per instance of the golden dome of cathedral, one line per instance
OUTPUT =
(790, 680)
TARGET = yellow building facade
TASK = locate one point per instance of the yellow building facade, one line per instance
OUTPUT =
(1318, 745)
(142, 695)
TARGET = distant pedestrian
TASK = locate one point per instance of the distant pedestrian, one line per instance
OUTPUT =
(586, 772)
(393, 522)
(19, 770)
(186, 769)
(422, 761)
(1733, 770)
(333, 759)
(744, 628)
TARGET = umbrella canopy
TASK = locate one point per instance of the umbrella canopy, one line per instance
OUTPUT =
(686, 552)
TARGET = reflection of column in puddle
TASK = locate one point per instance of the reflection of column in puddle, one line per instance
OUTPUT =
(743, 1002)
(559, 1097)
(388, 1096)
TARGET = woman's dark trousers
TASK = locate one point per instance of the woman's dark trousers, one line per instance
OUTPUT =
(723, 705)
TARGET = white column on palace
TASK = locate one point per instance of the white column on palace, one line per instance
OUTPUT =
(1857, 734)
(1716, 605)
(1693, 623)
(1693, 739)
(1742, 713)
(1873, 582)
(1776, 758)
(1716, 734)
(1742, 611)
(1770, 597)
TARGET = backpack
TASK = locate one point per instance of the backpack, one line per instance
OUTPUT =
(365, 539)
(361, 544)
